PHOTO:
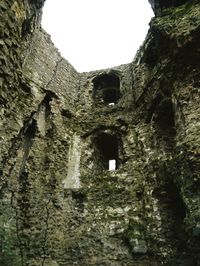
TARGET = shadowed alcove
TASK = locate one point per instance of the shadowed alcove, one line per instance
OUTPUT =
(162, 117)
(172, 209)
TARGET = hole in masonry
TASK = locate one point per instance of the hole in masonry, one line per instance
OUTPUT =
(112, 165)
(107, 89)
(106, 152)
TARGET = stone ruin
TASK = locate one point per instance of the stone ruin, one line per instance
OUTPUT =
(61, 205)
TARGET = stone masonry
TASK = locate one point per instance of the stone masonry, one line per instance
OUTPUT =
(60, 205)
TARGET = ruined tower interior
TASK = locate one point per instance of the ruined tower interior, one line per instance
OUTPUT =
(60, 204)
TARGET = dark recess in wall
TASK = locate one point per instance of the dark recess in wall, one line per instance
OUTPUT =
(106, 148)
(106, 89)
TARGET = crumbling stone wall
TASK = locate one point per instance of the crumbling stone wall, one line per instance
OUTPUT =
(59, 203)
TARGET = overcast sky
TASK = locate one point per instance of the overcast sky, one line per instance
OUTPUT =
(96, 34)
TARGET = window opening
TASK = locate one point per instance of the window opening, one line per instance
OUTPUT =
(107, 89)
(112, 165)
(106, 152)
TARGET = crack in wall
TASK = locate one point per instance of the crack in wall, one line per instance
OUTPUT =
(13, 151)
(54, 73)
(28, 142)
(22, 140)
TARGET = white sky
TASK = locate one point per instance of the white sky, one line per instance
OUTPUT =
(96, 34)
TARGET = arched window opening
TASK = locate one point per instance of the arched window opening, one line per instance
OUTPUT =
(106, 152)
(107, 89)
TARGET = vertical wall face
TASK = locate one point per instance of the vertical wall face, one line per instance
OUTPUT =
(38, 97)
(172, 70)
(60, 204)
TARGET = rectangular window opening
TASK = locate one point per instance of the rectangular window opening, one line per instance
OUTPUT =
(112, 165)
